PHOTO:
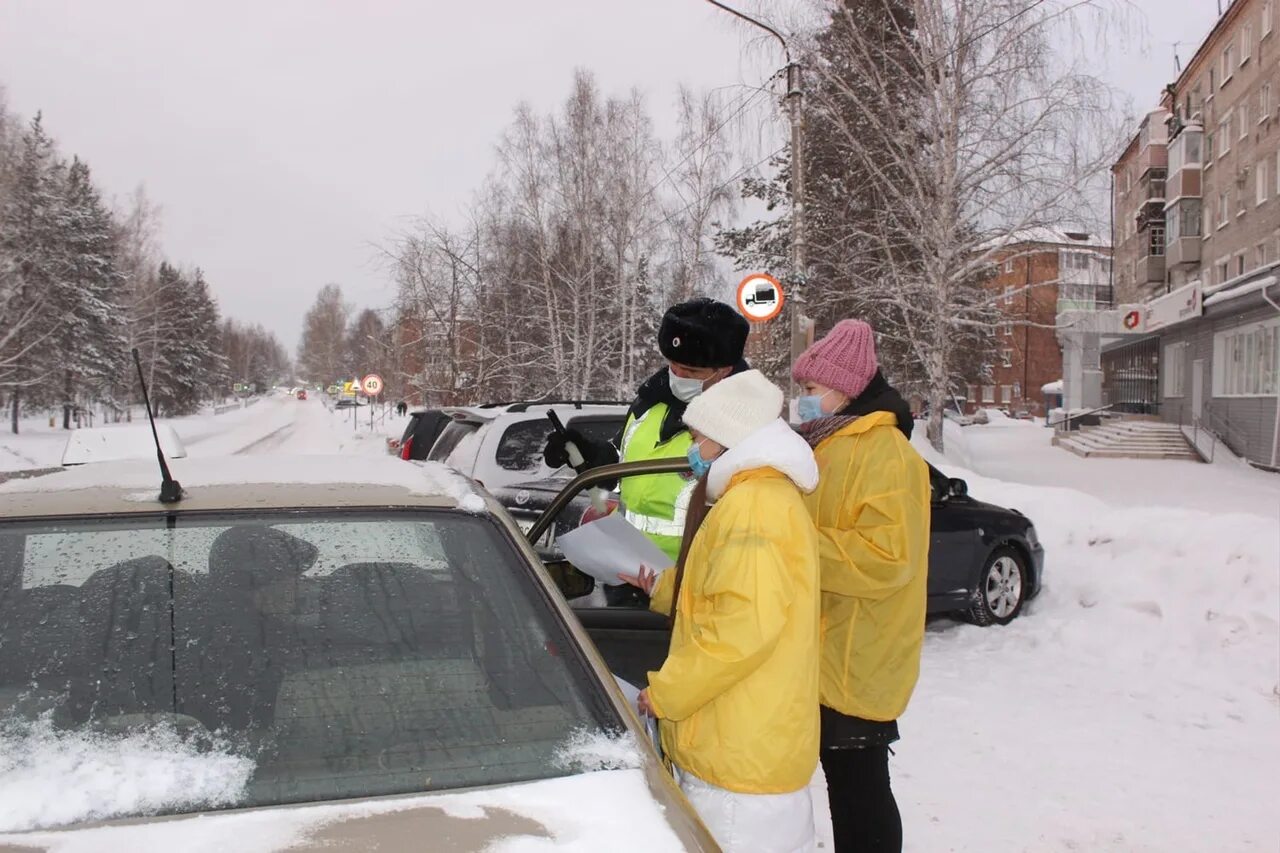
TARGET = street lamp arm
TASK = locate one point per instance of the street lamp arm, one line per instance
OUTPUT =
(750, 20)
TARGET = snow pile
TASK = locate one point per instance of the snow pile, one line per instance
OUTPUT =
(577, 813)
(590, 749)
(1134, 704)
(51, 777)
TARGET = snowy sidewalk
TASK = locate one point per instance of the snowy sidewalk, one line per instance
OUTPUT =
(1135, 705)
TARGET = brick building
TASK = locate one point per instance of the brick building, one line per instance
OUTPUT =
(1139, 188)
(1037, 274)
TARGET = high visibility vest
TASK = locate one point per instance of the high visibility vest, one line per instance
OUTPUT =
(656, 504)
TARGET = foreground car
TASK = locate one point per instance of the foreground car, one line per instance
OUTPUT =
(985, 561)
(325, 652)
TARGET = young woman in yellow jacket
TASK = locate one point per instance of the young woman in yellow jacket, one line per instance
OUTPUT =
(871, 509)
(737, 698)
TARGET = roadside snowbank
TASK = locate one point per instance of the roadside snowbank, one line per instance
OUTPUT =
(1134, 706)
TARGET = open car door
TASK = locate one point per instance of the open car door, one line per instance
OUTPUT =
(633, 639)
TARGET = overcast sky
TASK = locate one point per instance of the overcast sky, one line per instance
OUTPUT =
(281, 138)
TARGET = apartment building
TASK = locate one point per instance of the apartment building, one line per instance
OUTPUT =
(1040, 273)
(1139, 181)
(1197, 220)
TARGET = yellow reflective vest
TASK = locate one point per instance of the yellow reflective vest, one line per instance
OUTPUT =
(737, 698)
(656, 504)
(871, 509)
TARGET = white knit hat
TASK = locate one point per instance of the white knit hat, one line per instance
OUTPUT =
(734, 408)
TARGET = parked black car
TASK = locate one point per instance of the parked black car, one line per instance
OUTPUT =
(985, 561)
(424, 427)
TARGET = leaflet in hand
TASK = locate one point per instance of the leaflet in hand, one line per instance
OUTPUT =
(609, 546)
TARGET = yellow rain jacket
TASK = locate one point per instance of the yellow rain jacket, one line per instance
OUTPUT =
(737, 698)
(871, 509)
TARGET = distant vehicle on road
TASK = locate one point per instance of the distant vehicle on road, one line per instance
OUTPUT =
(302, 393)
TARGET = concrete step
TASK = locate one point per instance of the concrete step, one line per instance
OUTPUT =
(1128, 440)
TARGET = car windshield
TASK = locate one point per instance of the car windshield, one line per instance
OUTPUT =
(449, 439)
(231, 660)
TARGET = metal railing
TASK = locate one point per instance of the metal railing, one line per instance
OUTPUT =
(1197, 429)
(1074, 416)
(1223, 431)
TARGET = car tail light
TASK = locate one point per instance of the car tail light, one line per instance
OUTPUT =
(592, 514)
(405, 448)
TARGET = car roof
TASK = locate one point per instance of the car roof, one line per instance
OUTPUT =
(475, 414)
(239, 482)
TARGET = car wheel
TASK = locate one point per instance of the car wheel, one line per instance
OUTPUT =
(1001, 590)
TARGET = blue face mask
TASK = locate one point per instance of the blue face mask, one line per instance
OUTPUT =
(809, 407)
(699, 465)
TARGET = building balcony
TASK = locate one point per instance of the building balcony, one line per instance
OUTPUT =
(1182, 252)
(1154, 156)
(1150, 268)
(1184, 183)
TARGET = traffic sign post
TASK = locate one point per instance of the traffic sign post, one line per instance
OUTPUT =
(372, 387)
(760, 297)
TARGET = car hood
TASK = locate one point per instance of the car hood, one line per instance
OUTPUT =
(579, 812)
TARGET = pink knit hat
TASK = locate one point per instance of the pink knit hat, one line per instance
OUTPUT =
(845, 359)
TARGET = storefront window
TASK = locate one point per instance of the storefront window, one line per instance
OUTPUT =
(1130, 377)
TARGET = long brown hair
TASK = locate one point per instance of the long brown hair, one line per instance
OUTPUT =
(692, 521)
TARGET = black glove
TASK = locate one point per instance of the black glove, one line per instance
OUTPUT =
(594, 453)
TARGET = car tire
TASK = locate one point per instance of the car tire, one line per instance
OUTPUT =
(1001, 589)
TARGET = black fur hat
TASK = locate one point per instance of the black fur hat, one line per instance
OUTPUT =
(703, 333)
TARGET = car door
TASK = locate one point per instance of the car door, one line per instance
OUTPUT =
(632, 639)
(953, 544)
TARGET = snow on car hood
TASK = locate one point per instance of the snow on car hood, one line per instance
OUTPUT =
(588, 813)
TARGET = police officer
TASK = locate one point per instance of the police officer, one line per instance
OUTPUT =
(702, 341)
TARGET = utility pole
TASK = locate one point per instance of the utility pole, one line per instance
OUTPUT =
(795, 113)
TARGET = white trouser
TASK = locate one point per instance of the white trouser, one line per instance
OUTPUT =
(752, 823)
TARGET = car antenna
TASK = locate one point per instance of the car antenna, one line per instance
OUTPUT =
(170, 489)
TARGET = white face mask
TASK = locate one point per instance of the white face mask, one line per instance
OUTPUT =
(684, 389)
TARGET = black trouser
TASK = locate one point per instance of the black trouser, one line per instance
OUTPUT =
(864, 814)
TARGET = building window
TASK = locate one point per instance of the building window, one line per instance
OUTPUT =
(1006, 329)
(1183, 219)
(1242, 119)
(1208, 150)
(1006, 394)
(1246, 361)
(1264, 103)
(1006, 357)
(1240, 267)
(1260, 255)
(1008, 294)
(1224, 209)
(1266, 18)
(1017, 390)
(988, 393)
(1224, 135)
(1156, 241)
(1278, 173)
(1175, 369)
(1223, 269)
(1228, 63)
(1262, 182)
(1246, 44)
(973, 394)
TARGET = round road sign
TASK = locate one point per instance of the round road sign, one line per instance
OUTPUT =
(760, 297)
(371, 385)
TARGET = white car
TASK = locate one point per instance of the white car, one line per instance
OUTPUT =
(317, 653)
(501, 446)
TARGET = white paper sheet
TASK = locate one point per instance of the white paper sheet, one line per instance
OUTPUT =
(611, 545)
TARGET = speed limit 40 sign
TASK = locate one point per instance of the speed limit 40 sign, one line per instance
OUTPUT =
(371, 385)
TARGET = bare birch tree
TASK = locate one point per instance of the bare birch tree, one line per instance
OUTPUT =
(970, 129)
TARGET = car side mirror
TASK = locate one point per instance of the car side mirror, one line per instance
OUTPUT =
(571, 582)
(957, 488)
